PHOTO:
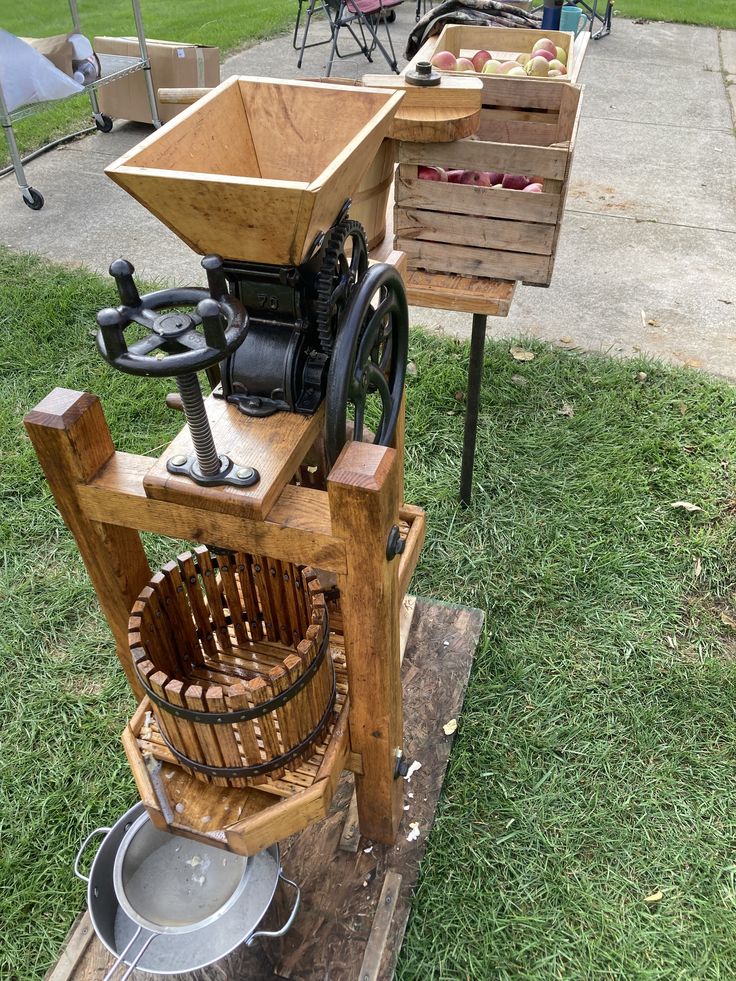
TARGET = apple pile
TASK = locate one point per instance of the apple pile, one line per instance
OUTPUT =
(481, 178)
(545, 60)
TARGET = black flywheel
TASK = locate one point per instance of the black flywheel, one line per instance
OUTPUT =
(368, 364)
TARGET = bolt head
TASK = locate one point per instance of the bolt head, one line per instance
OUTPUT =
(244, 473)
(178, 461)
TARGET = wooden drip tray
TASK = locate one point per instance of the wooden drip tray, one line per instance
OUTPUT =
(242, 820)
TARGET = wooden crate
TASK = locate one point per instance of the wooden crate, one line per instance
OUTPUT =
(257, 168)
(480, 231)
(503, 43)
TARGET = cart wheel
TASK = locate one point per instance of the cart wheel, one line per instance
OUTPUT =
(35, 201)
(103, 124)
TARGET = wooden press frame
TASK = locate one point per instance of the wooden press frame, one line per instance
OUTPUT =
(102, 496)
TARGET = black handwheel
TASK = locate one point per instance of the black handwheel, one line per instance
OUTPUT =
(103, 124)
(222, 317)
(368, 360)
(35, 203)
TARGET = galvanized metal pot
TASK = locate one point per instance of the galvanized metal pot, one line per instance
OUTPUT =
(146, 940)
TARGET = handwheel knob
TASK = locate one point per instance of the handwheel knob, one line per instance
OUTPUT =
(122, 272)
(213, 266)
(212, 320)
(112, 323)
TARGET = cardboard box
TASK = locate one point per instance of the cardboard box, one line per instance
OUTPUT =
(172, 65)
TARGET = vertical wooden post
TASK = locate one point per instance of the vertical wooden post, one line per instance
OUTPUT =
(364, 488)
(72, 442)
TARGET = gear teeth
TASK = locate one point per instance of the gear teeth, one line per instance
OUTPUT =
(326, 277)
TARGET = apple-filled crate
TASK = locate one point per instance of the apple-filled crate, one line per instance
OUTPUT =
(473, 225)
(495, 54)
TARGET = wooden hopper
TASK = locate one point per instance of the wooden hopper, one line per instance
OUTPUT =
(257, 168)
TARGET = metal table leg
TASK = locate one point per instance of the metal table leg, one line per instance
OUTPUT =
(472, 404)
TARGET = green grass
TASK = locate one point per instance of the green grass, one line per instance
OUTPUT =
(594, 762)
(711, 13)
(228, 24)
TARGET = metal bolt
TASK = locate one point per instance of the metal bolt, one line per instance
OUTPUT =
(178, 461)
(395, 544)
(244, 473)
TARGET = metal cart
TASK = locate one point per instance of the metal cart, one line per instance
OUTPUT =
(112, 67)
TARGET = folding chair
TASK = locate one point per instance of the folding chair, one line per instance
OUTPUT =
(313, 7)
(591, 8)
(362, 18)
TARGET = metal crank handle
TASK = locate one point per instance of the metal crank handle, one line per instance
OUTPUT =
(292, 916)
(121, 956)
(87, 840)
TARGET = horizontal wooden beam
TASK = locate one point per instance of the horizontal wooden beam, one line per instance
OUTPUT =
(298, 524)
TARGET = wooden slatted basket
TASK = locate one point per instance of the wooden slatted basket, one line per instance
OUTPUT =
(233, 652)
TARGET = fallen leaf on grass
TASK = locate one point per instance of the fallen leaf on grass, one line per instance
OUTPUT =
(685, 506)
(698, 567)
(459, 396)
(727, 620)
(641, 376)
(566, 410)
(411, 368)
(654, 897)
(683, 408)
(519, 380)
(449, 727)
(566, 339)
(519, 354)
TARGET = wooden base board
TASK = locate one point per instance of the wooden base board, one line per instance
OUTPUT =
(355, 902)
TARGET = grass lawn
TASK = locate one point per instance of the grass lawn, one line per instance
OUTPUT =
(229, 24)
(594, 763)
(712, 13)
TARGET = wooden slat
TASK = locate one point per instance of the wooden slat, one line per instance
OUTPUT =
(193, 698)
(376, 946)
(542, 161)
(197, 604)
(229, 751)
(227, 565)
(485, 233)
(486, 202)
(476, 262)
(245, 574)
(214, 593)
(238, 697)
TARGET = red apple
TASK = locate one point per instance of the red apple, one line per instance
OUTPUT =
(494, 177)
(444, 60)
(464, 65)
(544, 44)
(515, 182)
(454, 176)
(506, 67)
(534, 188)
(480, 58)
(475, 177)
(542, 53)
(432, 174)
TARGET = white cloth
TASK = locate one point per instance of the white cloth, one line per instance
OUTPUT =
(26, 76)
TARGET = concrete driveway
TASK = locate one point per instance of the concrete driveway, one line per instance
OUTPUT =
(646, 255)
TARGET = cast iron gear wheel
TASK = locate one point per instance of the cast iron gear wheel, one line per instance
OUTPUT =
(337, 278)
(369, 361)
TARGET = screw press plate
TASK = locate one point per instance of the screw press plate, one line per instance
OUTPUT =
(232, 474)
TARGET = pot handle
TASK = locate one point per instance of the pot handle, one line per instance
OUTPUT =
(87, 840)
(134, 962)
(290, 920)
